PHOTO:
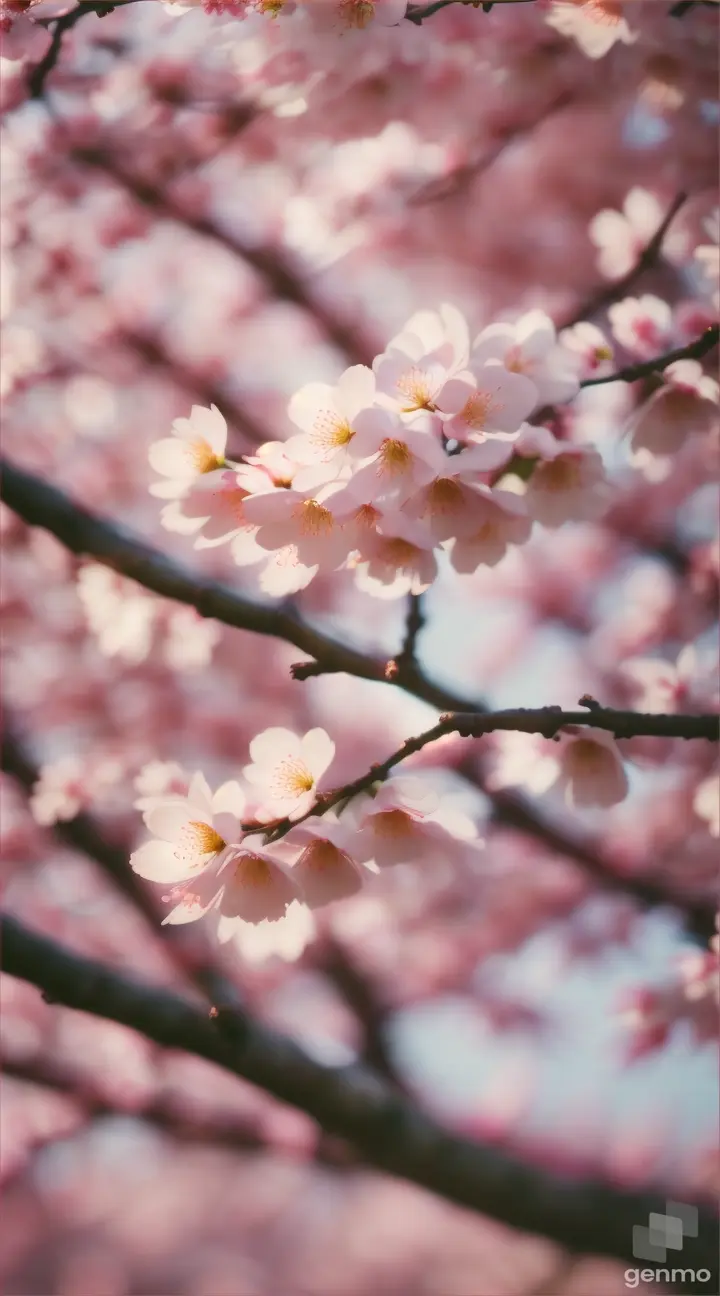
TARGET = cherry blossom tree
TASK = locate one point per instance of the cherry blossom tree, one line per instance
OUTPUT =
(359, 512)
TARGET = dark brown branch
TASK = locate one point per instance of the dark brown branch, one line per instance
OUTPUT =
(548, 721)
(406, 658)
(693, 351)
(648, 257)
(40, 504)
(354, 1104)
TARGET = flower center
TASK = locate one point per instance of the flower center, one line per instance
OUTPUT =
(415, 386)
(444, 496)
(203, 457)
(561, 475)
(401, 554)
(356, 13)
(394, 456)
(292, 778)
(393, 823)
(330, 432)
(252, 871)
(476, 409)
(196, 840)
(314, 519)
(321, 856)
(515, 361)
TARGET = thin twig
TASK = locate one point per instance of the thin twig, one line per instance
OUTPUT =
(647, 258)
(693, 351)
(548, 721)
(348, 1101)
(82, 532)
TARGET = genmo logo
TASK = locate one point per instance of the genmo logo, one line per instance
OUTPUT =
(661, 1234)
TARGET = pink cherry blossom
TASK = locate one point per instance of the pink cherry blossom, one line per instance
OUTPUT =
(20, 37)
(404, 823)
(643, 325)
(394, 457)
(324, 868)
(591, 768)
(416, 365)
(448, 504)
(622, 236)
(255, 886)
(685, 405)
(327, 417)
(163, 779)
(530, 347)
(568, 482)
(212, 507)
(500, 520)
(596, 25)
(189, 833)
(120, 613)
(196, 447)
(310, 526)
(489, 400)
(286, 770)
(662, 686)
(396, 559)
(591, 349)
(68, 785)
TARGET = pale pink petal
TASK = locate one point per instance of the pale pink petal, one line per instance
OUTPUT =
(274, 745)
(168, 821)
(229, 799)
(156, 861)
(317, 751)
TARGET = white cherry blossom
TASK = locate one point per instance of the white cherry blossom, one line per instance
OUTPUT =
(530, 347)
(196, 447)
(189, 832)
(591, 768)
(286, 769)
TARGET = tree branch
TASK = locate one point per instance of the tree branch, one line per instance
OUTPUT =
(354, 1104)
(548, 721)
(647, 258)
(40, 504)
(693, 351)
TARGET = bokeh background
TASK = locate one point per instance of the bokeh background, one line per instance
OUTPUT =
(209, 211)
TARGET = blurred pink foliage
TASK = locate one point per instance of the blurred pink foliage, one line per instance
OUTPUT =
(217, 205)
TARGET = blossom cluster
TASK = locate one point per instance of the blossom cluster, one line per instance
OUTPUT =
(395, 464)
(235, 871)
(427, 452)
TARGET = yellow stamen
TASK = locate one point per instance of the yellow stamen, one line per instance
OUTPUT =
(330, 432)
(476, 409)
(292, 778)
(314, 519)
(196, 840)
(204, 459)
(395, 456)
(357, 13)
(415, 385)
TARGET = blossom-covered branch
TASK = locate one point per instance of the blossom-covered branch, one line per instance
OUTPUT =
(646, 259)
(548, 721)
(84, 533)
(693, 351)
(41, 504)
(347, 1101)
